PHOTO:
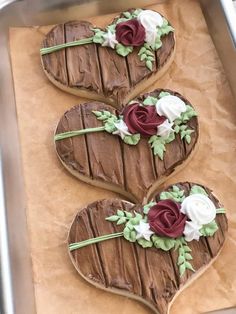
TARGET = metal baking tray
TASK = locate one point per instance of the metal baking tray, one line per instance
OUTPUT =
(16, 282)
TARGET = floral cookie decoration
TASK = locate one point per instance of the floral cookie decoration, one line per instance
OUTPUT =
(172, 222)
(158, 119)
(149, 252)
(138, 28)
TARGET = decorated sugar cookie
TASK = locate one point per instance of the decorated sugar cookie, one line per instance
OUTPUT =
(113, 64)
(131, 151)
(149, 252)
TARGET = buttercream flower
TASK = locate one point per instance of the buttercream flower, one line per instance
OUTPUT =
(199, 209)
(143, 231)
(109, 39)
(142, 119)
(150, 21)
(165, 219)
(130, 33)
(121, 129)
(171, 107)
(191, 231)
(165, 129)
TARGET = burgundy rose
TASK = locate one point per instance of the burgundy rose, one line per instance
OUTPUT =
(166, 220)
(142, 119)
(130, 33)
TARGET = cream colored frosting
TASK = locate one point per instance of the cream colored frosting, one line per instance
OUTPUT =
(122, 129)
(165, 129)
(171, 107)
(109, 40)
(199, 208)
(150, 21)
(191, 231)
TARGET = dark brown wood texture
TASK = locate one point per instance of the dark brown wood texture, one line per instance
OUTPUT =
(150, 273)
(95, 68)
(104, 157)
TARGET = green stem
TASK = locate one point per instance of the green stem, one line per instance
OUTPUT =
(78, 245)
(64, 135)
(44, 51)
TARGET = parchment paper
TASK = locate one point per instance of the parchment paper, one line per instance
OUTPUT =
(54, 196)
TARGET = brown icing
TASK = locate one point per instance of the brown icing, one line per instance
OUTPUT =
(150, 274)
(106, 158)
(95, 68)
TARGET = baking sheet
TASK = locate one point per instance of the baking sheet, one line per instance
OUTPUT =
(54, 196)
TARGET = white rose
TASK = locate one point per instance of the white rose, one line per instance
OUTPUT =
(199, 208)
(150, 20)
(165, 129)
(191, 231)
(171, 107)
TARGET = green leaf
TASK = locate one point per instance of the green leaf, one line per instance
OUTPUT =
(112, 218)
(184, 256)
(164, 22)
(163, 94)
(141, 51)
(121, 221)
(123, 50)
(149, 53)
(150, 101)
(97, 113)
(143, 57)
(188, 256)
(167, 29)
(170, 138)
(189, 266)
(136, 12)
(98, 37)
(182, 269)
(133, 235)
(132, 139)
(129, 225)
(150, 58)
(147, 207)
(188, 139)
(120, 213)
(181, 260)
(104, 115)
(177, 129)
(149, 65)
(157, 45)
(175, 188)
(110, 127)
(134, 221)
(120, 20)
(129, 235)
(197, 189)
(138, 216)
(128, 214)
(163, 243)
(175, 194)
(209, 229)
(144, 243)
(187, 249)
(111, 28)
(127, 15)
(158, 145)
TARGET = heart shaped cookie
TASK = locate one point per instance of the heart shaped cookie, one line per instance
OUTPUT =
(149, 253)
(114, 64)
(133, 151)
